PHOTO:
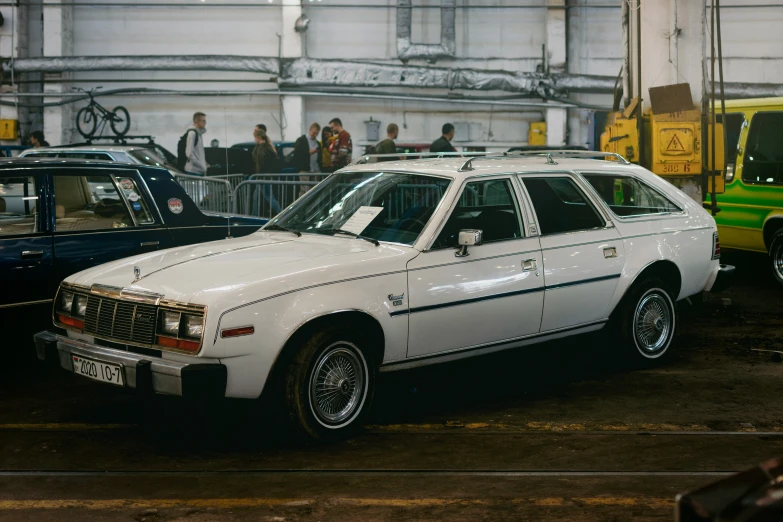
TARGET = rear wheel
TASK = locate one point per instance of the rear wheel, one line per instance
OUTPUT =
(776, 255)
(647, 322)
(330, 384)
(120, 121)
(86, 121)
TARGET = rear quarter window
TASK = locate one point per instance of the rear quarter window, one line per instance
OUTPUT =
(627, 196)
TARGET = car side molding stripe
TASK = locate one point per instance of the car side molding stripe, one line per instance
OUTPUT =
(467, 301)
(504, 294)
(583, 281)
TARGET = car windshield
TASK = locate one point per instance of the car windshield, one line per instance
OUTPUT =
(383, 206)
(148, 157)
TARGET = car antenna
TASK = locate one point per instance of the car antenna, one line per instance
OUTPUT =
(225, 133)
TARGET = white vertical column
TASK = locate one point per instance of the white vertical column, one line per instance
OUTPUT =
(10, 47)
(672, 45)
(556, 119)
(58, 41)
(291, 46)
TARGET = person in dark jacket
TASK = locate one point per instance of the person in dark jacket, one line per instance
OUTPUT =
(265, 162)
(388, 146)
(443, 144)
(264, 154)
(306, 155)
(37, 139)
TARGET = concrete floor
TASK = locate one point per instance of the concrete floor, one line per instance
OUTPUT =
(554, 432)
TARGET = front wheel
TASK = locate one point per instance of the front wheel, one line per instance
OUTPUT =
(647, 322)
(330, 384)
(776, 255)
(86, 121)
(120, 120)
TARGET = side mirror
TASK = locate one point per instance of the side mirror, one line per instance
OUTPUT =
(468, 237)
(729, 172)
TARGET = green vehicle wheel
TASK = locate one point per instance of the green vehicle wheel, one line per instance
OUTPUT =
(776, 255)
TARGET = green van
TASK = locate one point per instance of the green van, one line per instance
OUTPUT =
(751, 215)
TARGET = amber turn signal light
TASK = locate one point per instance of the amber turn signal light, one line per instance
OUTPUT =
(236, 332)
(71, 321)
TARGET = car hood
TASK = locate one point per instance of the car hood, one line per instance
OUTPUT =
(234, 271)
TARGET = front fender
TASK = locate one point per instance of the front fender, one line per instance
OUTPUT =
(250, 358)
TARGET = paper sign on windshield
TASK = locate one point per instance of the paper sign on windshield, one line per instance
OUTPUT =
(360, 219)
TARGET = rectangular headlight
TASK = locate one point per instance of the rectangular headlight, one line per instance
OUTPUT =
(66, 302)
(80, 306)
(169, 323)
(194, 326)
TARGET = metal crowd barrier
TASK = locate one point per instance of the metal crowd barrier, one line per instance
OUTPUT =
(233, 179)
(208, 193)
(265, 195)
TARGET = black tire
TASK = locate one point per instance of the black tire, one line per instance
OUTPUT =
(647, 321)
(86, 121)
(120, 123)
(776, 255)
(340, 362)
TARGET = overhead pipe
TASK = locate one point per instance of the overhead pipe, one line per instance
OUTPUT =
(306, 72)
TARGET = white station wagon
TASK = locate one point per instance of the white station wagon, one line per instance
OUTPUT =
(385, 266)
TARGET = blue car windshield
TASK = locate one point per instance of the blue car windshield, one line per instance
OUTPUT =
(384, 206)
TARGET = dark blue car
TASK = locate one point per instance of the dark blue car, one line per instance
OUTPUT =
(59, 216)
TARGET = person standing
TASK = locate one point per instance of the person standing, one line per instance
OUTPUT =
(37, 139)
(388, 146)
(264, 154)
(306, 152)
(443, 144)
(327, 138)
(265, 162)
(196, 162)
(342, 146)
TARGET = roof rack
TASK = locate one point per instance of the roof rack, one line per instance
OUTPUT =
(365, 158)
(468, 165)
(119, 139)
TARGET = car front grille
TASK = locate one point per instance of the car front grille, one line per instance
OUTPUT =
(120, 320)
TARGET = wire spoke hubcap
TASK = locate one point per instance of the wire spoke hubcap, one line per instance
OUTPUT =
(652, 323)
(337, 384)
(777, 261)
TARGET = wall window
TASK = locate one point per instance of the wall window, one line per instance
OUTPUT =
(763, 161)
(88, 203)
(489, 206)
(18, 206)
(628, 196)
(560, 206)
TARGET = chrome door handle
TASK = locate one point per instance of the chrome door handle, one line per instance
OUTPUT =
(610, 252)
(32, 254)
(150, 243)
(528, 265)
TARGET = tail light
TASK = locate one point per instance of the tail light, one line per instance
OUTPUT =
(715, 246)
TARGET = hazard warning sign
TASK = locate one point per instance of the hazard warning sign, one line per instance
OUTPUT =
(676, 142)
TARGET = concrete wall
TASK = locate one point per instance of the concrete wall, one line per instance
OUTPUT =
(496, 34)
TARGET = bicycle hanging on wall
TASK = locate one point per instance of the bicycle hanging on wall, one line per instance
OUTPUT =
(87, 119)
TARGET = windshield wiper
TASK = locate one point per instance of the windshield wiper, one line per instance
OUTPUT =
(357, 236)
(275, 226)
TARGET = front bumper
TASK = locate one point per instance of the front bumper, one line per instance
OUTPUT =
(143, 373)
(723, 279)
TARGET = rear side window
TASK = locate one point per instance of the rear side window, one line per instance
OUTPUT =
(763, 161)
(627, 196)
(560, 206)
(130, 191)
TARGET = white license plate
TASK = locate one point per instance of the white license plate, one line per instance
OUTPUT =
(99, 371)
